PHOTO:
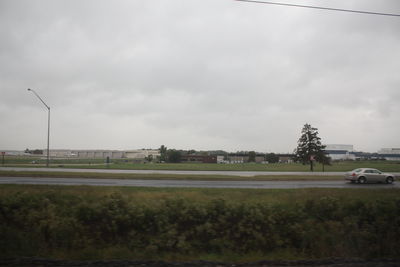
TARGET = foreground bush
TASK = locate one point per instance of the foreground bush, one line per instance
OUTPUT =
(63, 225)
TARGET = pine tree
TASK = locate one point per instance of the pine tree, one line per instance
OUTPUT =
(309, 147)
(163, 153)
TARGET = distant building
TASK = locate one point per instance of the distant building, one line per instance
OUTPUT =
(199, 158)
(97, 154)
(15, 153)
(222, 159)
(285, 158)
(389, 153)
(140, 154)
(243, 158)
(340, 152)
(260, 159)
(61, 153)
(238, 158)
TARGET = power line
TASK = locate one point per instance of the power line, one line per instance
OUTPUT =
(319, 7)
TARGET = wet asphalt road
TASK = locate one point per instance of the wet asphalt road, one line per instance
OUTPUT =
(186, 183)
(193, 184)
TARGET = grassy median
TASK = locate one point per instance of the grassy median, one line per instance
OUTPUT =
(155, 176)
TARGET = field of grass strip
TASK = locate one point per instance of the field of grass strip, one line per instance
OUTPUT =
(166, 176)
(387, 166)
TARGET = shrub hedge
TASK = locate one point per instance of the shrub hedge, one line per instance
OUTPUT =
(70, 226)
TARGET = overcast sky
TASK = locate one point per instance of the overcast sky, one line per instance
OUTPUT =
(198, 74)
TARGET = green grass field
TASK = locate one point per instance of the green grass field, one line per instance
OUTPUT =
(230, 225)
(388, 166)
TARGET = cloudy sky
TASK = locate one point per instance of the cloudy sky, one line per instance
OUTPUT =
(198, 74)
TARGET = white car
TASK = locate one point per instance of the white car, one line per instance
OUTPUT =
(367, 175)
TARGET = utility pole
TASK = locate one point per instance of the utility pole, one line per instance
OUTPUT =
(48, 126)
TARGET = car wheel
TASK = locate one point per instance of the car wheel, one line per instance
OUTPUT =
(362, 180)
(389, 180)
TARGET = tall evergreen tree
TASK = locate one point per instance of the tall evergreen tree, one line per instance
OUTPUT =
(163, 153)
(309, 147)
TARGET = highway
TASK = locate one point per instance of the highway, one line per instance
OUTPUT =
(193, 184)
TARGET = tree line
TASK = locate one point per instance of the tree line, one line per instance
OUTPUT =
(308, 151)
(175, 156)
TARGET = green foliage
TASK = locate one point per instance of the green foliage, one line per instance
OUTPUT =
(149, 158)
(271, 158)
(309, 147)
(163, 153)
(174, 156)
(252, 156)
(52, 223)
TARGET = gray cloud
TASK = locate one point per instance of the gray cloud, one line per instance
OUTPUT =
(197, 74)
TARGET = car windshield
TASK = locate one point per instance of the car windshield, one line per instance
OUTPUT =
(357, 170)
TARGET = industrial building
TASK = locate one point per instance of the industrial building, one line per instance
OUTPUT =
(340, 152)
(389, 153)
(142, 153)
(103, 154)
(238, 158)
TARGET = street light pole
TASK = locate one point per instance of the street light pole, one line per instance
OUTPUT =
(48, 126)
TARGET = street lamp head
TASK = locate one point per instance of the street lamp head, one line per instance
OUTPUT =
(29, 89)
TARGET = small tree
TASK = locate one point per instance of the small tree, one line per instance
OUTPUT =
(149, 158)
(163, 153)
(174, 156)
(271, 158)
(252, 156)
(309, 147)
